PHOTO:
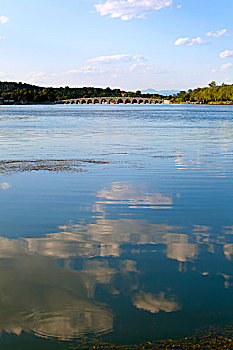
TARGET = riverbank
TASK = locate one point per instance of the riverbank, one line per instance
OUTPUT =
(212, 338)
(165, 102)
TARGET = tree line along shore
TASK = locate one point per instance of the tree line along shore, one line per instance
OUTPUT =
(23, 93)
(212, 94)
(11, 92)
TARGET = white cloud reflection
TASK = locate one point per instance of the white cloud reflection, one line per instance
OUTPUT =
(155, 304)
(5, 186)
(124, 193)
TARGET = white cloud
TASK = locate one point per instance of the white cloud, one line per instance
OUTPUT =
(114, 65)
(4, 19)
(87, 70)
(226, 66)
(113, 70)
(226, 53)
(103, 64)
(217, 33)
(117, 69)
(222, 68)
(182, 41)
(37, 74)
(4, 75)
(128, 9)
(136, 66)
(198, 40)
(143, 68)
(37, 77)
(188, 41)
(116, 59)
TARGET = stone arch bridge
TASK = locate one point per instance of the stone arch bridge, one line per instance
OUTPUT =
(108, 100)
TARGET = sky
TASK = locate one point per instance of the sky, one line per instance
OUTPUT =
(127, 44)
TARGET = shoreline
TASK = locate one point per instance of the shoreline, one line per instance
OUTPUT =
(207, 338)
(58, 103)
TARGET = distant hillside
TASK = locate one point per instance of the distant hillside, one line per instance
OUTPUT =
(162, 92)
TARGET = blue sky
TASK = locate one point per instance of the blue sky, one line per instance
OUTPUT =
(128, 44)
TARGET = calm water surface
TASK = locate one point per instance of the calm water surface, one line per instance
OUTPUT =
(137, 249)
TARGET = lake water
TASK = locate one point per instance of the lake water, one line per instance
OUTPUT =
(134, 245)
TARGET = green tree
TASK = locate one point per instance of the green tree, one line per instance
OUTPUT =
(212, 84)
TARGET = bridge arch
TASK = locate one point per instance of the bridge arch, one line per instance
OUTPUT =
(113, 99)
(120, 101)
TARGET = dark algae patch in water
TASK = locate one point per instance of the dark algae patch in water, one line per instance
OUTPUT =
(52, 165)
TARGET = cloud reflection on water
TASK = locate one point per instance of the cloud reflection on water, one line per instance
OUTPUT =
(52, 299)
(155, 304)
(5, 186)
(124, 193)
(49, 284)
